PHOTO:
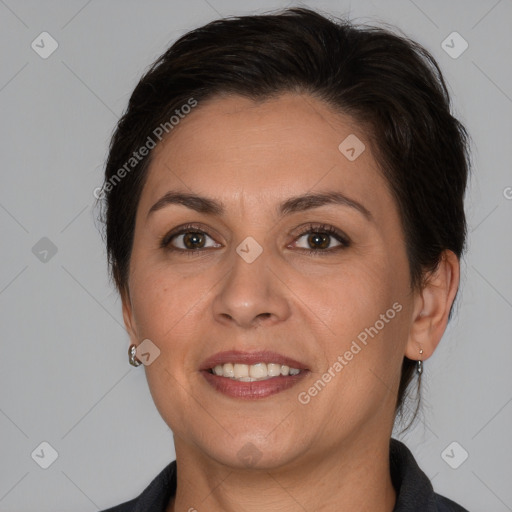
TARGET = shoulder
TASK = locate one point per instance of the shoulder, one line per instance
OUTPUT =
(413, 487)
(155, 497)
(127, 506)
(446, 505)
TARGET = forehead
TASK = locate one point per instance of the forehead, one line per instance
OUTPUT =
(233, 148)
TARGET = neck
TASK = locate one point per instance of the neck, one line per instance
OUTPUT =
(353, 477)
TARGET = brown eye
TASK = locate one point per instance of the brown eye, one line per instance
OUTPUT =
(320, 239)
(188, 239)
(193, 240)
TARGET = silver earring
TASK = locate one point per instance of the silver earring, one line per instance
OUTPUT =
(419, 367)
(132, 357)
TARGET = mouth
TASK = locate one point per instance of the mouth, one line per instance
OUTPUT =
(252, 375)
(254, 372)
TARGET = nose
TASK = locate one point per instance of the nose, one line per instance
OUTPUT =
(252, 294)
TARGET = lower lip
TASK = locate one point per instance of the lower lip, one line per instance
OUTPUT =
(252, 390)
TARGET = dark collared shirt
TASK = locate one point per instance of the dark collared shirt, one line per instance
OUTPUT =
(413, 488)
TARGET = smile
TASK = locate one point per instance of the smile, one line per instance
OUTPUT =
(252, 375)
(254, 372)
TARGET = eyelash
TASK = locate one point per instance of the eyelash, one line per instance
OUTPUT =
(320, 229)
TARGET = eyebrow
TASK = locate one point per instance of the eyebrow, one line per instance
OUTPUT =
(295, 204)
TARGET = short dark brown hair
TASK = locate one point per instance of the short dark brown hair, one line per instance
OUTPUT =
(389, 84)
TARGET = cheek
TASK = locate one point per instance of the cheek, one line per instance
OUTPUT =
(166, 307)
(362, 334)
(348, 299)
(360, 315)
(162, 302)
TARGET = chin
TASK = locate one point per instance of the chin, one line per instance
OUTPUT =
(250, 450)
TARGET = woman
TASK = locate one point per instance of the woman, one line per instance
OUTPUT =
(284, 223)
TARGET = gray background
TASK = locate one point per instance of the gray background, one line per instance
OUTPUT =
(65, 377)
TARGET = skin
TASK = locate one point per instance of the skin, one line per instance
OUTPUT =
(333, 452)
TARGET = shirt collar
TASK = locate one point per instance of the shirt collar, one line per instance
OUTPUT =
(413, 488)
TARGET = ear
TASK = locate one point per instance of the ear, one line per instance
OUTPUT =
(432, 307)
(129, 321)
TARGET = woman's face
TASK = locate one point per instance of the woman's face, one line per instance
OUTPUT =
(242, 280)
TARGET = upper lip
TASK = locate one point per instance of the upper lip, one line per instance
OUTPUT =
(249, 358)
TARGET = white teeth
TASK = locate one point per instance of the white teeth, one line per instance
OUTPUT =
(241, 370)
(273, 369)
(253, 372)
(228, 370)
(257, 371)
